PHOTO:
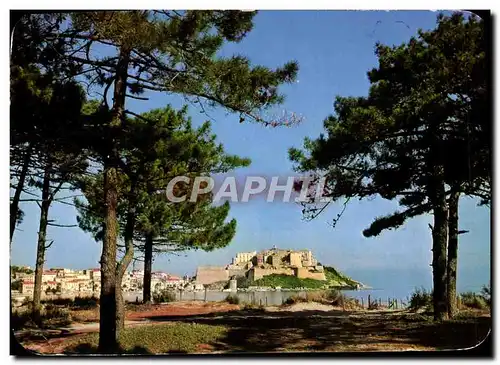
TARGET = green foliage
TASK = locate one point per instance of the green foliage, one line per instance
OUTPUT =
(76, 303)
(164, 296)
(421, 134)
(415, 103)
(288, 282)
(179, 51)
(232, 299)
(486, 294)
(18, 269)
(338, 279)
(419, 299)
(243, 282)
(156, 147)
(473, 300)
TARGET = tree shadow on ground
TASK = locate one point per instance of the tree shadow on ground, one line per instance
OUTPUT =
(258, 331)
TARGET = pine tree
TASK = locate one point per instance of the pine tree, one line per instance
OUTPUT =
(157, 146)
(419, 136)
(45, 114)
(166, 51)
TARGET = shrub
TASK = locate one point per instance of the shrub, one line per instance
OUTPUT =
(420, 298)
(243, 282)
(486, 294)
(53, 312)
(473, 300)
(59, 301)
(164, 296)
(85, 303)
(253, 307)
(295, 299)
(233, 299)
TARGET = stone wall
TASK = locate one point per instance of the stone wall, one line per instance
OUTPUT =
(257, 273)
(304, 273)
(236, 272)
(296, 259)
(211, 274)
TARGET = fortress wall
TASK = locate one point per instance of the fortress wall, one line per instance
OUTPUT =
(211, 274)
(257, 273)
(304, 273)
(236, 272)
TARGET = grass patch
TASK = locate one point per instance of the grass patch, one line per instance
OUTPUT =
(155, 339)
(288, 282)
(473, 300)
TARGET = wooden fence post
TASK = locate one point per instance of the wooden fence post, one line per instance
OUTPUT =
(362, 303)
(205, 294)
(369, 301)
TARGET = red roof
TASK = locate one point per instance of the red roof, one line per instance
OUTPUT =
(94, 270)
(51, 282)
(28, 282)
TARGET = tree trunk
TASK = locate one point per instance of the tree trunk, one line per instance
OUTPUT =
(148, 263)
(439, 241)
(451, 269)
(14, 205)
(122, 268)
(42, 236)
(107, 315)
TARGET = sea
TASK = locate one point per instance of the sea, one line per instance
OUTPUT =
(401, 283)
(384, 285)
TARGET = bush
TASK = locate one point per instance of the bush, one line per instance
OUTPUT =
(233, 299)
(164, 296)
(53, 312)
(243, 282)
(85, 303)
(296, 298)
(420, 298)
(473, 300)
(253, 307)
(59, 301)
(486, 294)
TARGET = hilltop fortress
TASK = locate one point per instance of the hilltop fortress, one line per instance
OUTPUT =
(255, 265)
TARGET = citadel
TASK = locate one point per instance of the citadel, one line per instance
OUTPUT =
(255, 265)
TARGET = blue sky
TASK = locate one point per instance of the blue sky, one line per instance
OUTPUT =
(335, 50)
